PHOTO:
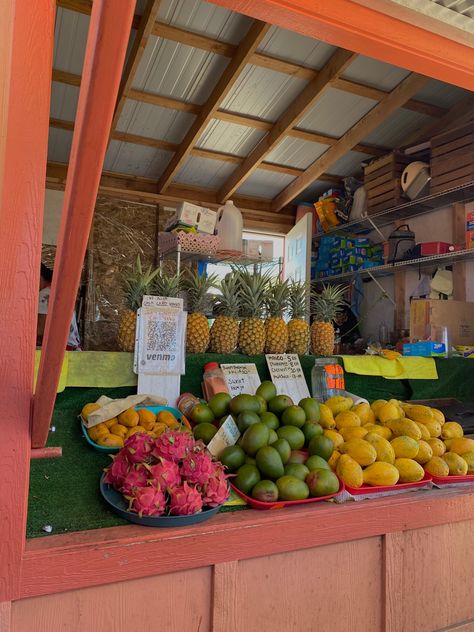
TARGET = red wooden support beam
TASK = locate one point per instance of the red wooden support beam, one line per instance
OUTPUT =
(46, 453)
(26, 54)
(107, 41)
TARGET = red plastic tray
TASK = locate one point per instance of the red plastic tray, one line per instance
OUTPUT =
(449, 480)
(369, 489)
(280, 504)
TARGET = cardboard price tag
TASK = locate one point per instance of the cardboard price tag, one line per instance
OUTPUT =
(227, 435)
(241, 378)
(287, 375)
(162, 301)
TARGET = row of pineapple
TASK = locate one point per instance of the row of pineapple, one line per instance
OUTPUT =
(249, 311)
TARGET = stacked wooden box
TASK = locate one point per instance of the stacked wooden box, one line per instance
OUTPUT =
(382, 181)
(452, 158)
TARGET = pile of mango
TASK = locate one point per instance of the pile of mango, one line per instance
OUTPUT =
(114, 432)
(390, 442)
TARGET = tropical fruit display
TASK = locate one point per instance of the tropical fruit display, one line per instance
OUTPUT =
(325, 304)
(252, 289)
(199, 300)
(224, 334)
(276, 329)
(298, 327)
(172, 474)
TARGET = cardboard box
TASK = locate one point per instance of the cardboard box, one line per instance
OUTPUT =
(426, 348)
(470, 239)
(206, 221)
(457, 316)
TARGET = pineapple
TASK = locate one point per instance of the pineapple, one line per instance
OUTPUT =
(252, 288)
(135, 286)
(225, 329)
(298, 327)
(324, 307)
(168, 285)
(197, 329)
(276, 330)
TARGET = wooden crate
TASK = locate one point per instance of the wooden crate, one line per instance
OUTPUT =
(452, 158)
(382, 181)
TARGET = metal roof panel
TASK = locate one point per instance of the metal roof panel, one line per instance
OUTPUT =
(230, 138)
(152, 121)
(440, 93)
(297, 48)
(348, 165)
(59, 145)
(205, 173)
(397, 127)
(136, 160)
(375, 73)
(264, 184)
(296, 153)
(63, 101)
(70, 37)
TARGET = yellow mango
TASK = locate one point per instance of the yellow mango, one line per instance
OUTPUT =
(119, 430)
(129, 418)
(111, 441)
(425, 433)
(461, 445)
(134, 430)
(146, 418)
(388, 412)
(383, 431)
(447, 443)
(335, 437)
(349, 471)
(338, 404)
(111, 422)
(457, 465)
(347, 419)
(159, 428)
(425, 453)
(410, 470)
(405, 427)
(166, 417)
(437, 466)
(364, 412)
(375, 405)
(434, 428)
(438, 415)
(420, 413)
(354, 432)
(361, 451)
(88, 409)
(405, 447)
(452, 430)
(381, 473)
(95, 432)
(333, 459)
(437, 446)
(384, 450)
(469, 458)
(326, 418)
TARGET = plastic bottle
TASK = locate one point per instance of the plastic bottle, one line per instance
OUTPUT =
(186, 403)
(213, 381)
(327, 379)
(383, 333)
(229, 227)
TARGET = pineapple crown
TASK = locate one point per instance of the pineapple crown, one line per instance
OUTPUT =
(137, 284)
(197, 288)
(276, 299)
(298, 300)
(326, 304)
(251, 291)
(166, 284)
(227, 302)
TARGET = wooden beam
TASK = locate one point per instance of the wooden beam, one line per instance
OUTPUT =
(164, 102)
(26, 54)
(107, 41)
(147, 22)
(336, 65)
(61, 76)
(400, 94)
(230, 75)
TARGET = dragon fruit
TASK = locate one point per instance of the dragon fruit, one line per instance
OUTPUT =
(185, 500)
(117, 471)
(198, 467)
(216, 490)
(173, 445)
(136, 477)
(138, 447)
(148, 501)
(165, 474)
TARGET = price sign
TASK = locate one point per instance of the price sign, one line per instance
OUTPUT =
(227, 435)
(241, 378)
(162, 301)
(287, 375)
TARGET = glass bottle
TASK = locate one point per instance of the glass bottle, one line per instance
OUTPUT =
(327, 379)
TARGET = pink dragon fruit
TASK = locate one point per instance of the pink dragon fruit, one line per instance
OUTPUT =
(173, 445)
(216, 490)
(138, 447)
(198, 467)
(185, 500)
(148, 501)
(136, 477)
(117, 471)
(165, 474)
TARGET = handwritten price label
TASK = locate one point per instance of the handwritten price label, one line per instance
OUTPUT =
(227, 434)
(287, 375)
(241, 378)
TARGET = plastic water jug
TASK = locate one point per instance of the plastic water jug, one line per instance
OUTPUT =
(229, 227)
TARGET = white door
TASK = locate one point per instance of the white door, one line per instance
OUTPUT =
(297, 264)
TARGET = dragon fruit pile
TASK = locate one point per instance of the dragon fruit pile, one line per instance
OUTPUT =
(170, 475)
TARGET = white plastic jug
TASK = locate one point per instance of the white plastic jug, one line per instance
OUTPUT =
(229, 227)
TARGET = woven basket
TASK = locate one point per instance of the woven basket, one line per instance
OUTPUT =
(196, 243)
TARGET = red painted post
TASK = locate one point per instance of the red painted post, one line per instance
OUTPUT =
(107, 41)
(26, 54)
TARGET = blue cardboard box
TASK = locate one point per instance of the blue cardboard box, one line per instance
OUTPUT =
(426, 348)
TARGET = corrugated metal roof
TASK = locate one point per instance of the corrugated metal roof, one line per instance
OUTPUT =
(348, 165)
(296, 153)
(63, 101)
(230, 138)
(312, 193)
(70, 37)
(205, 173)
(152, 121)
(136, 160)
(375, 73)
(59, 145)
(264, 184)
(296, 48)
(397, 127)
(435, 92)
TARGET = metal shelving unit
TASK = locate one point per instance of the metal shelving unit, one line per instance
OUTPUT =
(181, 256)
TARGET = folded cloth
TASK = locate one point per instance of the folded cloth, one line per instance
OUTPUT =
(110, 408)
(409, 368)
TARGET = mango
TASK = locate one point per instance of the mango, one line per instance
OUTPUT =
(256, 437)
(269, 462)
(438, 415)
(347, 419)
(469, 458)
(335, 437)
(88, 409)
(420, 413)
(95, 432)
(425, 453)
(437, 466)
(354, 432)
(159, 428)
(111, 422)
(110, 441)
(461, 445)
(291, 488)
(134, 430)
(437, 446)
(147, 419)
(385, 451)
(338, 404)
(381, 473)
(425, 433)
(376, 404)
(457, 465)
(326, 418)
(452, 430)
(119, 430)
(405, 447)
(383, 431)
(364, 412)
(410, 471)
(334, 460)
(405, 427)
(388, 412)
(434, 428)
(349, 471)
(247, 477)
(361, 451)
(129, 418)
(265, 491)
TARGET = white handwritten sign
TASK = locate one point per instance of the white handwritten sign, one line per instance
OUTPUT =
(162, 301)
(287, 375)
(241, 378)
(227, 435)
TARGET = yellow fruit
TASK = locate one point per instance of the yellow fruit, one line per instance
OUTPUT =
(361, 451)
(405, 427)
(159, 428)
(437, 466)
(469, 458)
(385, 451)
(452, 430)
(111, 441)
(111, 422)
(335, 437)
(354, 432)
(146, 418)
(129, 418)
(383, 431)
(326, 418)
(434, 428)
(338, 404)
(347, 419)
(457, 465)
(96, 432)
(334, 458)
(410, 470)
(88, 409)
(437, 446)
(381, 474)
(461, 445)
(165, 417)
(388, 412)
(420, 413)
(438, 415)
(425, 433)
(365, 413)
(425, 453)
(375, 405)
(119, 430)
(349, 471)
(126, 331)
(134, 430)
(447, 443)
(405, 447)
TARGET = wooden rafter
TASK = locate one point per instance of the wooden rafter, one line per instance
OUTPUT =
(399, 95)
(230, 75)
(336, 65)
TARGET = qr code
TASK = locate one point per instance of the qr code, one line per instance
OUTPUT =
(161, 336)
